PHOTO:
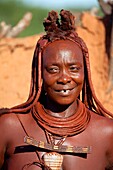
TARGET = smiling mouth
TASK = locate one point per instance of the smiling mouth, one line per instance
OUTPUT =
(64, 91)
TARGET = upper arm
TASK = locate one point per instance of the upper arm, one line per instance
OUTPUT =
(110, 145)
(2, 153)
(3, 140)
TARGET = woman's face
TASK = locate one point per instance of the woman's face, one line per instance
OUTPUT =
(63, 71)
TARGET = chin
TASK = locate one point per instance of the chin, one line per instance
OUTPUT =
(64, 101)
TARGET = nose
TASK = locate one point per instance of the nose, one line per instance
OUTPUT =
(64, 78)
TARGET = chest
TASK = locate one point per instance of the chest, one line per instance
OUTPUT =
(30, 160)
(20, 154)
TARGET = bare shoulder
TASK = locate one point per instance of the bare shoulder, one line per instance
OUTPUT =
(10, 128)
(7, 128)
(8, 119)
(8, 123)
(102, 123)
(103, 130)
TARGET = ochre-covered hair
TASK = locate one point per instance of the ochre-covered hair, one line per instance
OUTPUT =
(57, 29)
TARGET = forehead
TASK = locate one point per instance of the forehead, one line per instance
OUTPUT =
(61, 44)
(62, 48)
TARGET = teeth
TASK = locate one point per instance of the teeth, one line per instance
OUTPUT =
(65, 91)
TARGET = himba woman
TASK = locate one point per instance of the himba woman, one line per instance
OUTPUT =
(62, 125)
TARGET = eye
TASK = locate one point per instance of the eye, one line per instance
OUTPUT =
(53, 69)
(74, 68)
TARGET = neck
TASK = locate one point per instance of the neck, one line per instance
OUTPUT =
(61, 111)
(71, 125)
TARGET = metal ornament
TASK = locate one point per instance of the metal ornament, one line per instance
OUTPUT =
(63, 148)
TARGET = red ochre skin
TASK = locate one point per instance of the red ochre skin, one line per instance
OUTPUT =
(62, 68)
(63, 74)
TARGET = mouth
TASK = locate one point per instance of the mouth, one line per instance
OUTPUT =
(64, 91)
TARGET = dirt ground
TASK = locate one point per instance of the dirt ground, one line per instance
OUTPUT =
(16, 59)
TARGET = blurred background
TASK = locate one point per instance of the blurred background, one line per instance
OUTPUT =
(11, 11)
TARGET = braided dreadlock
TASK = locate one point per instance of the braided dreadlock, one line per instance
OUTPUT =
(56, 30)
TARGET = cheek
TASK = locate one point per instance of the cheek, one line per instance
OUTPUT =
(79, 78)
(48, 79)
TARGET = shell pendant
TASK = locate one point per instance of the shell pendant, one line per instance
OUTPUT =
(53, 160)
